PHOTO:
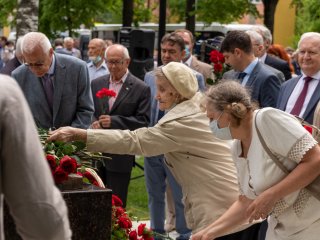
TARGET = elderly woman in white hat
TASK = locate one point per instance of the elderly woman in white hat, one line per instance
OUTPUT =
(201, 163)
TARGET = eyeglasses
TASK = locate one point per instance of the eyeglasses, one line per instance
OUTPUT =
(34, 65)
(115, 62)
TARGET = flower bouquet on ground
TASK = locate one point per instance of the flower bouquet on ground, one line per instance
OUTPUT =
(219, 67)
(122, 225)
(70, 163)
(104, 94)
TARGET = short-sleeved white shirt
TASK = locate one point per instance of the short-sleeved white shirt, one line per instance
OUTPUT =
(297, 216)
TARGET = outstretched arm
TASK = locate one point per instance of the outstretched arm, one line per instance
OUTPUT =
(68, 134)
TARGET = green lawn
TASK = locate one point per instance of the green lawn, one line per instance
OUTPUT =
(137, 202)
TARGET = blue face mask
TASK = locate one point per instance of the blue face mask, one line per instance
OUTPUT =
(221, 133)
(187, 50)
(96, 59)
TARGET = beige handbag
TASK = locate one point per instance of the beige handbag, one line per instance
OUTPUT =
(314, 187)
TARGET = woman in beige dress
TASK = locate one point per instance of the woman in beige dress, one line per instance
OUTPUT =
(201, 163)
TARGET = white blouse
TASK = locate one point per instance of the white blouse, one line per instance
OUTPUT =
(297, 215)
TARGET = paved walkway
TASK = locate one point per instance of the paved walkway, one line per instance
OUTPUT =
(135, 225)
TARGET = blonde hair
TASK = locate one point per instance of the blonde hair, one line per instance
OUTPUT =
(231, 97)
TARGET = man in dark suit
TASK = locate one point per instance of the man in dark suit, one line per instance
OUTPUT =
(130, 109)
(238, 53)
(265, 58)
(258, 50)
(291, 92)
(57, 87)
(14, 62)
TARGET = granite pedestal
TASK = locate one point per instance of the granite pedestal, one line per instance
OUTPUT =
(89, 214)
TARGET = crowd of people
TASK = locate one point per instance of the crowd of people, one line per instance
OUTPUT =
(209, 150)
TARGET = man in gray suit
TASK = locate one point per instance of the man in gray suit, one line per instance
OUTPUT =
(56, 86)
(238, 53)
(130, 109)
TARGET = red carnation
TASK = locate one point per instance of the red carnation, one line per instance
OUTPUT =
(68, 164)
(141, 228)
(133, 235)
(52, 161)
(217, 67)
(214, 56)
(116, 201)
(119, 211)
(124, 222)
(105, 92)
(60, 175)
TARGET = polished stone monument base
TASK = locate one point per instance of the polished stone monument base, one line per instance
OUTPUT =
(89, 214)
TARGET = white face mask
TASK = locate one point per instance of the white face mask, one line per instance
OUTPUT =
(95, 59)
(221, 133)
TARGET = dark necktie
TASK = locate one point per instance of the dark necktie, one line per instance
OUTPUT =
(48, 88)
(241, 76)
(299, 103)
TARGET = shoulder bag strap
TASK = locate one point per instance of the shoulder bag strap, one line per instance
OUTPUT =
(265, 147)
(313, 187)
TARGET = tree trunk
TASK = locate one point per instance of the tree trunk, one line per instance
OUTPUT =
(190, 18)
(127, 13)
(269, 10)
(162, 26)
(27, 16)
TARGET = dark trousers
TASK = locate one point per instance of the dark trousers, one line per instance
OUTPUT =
(118, 182)
(251, 233)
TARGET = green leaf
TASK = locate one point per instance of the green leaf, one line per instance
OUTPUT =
(79, 145)
(68, 149)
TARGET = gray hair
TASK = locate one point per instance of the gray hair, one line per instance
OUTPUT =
(313, 35)
(255, 36)
(68, 39)
(33, 40)
(119, 46)
(264, 31)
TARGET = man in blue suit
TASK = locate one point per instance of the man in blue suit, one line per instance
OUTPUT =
(309, 61)
(56, 86)
(262, 82)
(156, 173)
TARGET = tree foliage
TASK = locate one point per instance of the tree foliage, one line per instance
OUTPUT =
(141, 13)
(224, 11)
(7, 7)
(308, 16)
(57, 15)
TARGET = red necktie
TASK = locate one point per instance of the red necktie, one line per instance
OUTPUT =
(299, 103)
